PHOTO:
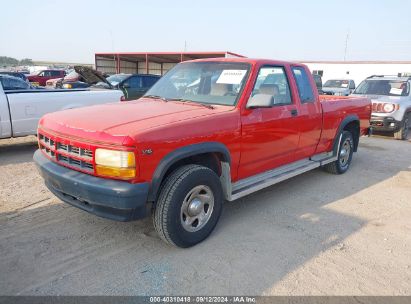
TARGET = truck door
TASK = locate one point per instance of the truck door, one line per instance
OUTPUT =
(269, 135)
(133, 87)
(310, 113)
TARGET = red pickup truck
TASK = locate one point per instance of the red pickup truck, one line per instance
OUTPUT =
(41, 78)
(208, 131)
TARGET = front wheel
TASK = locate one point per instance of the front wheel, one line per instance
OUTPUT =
(402, 133)
(189, 206)
(345, 152)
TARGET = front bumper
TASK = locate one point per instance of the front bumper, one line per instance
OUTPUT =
(385, 124)
(116, 200)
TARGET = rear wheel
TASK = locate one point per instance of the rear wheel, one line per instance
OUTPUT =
(345, 152)
(189, 206)
(402, 133)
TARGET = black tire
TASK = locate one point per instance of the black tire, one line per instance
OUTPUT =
(402, 133)
(170, 217)
(342, 164)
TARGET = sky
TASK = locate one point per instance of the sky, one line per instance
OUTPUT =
(72, 31)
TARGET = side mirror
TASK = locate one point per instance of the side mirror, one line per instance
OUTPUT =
(125, 85)
(260, 101)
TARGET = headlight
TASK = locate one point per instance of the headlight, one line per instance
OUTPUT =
(67, 86)
(388, 107)
(121, 164)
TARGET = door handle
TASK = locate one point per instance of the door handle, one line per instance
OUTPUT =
(294, 112)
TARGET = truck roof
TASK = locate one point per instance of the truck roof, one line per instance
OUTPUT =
(244, 60)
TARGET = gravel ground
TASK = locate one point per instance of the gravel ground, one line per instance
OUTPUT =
(316, 234)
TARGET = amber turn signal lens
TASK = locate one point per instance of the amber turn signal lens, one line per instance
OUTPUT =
(123, 173)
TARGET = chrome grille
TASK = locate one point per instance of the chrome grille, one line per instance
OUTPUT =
(61, 146)
(377, 107)
(70, 155)
(75, 150)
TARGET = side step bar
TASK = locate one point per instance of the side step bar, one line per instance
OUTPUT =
(254, 183)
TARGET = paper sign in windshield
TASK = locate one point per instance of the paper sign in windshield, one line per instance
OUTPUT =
(231, 76)
(395, 91)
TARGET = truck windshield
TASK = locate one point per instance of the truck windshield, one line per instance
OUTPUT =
(336, 84)
(383, 87)
(203, 82)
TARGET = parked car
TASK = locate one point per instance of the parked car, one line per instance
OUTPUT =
(183, 149)
(22, 107)
(133, 85)
(51, 83)
(391, 103)
(41, 78)
(16, 74)
(341, 87)
(14, 83)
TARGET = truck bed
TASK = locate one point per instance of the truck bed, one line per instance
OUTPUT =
(335, 109)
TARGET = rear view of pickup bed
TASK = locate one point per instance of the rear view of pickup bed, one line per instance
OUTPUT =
(208, 131)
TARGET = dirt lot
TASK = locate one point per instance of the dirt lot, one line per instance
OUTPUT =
(315, 234)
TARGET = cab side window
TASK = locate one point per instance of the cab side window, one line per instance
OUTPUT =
(135, 82)
(149, 81)
(272, 80)
(305, 89)
(55, 73)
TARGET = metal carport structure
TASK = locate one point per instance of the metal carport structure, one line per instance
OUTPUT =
(149, 62)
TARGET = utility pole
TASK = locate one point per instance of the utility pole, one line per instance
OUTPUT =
(185, 45)
(346, 44)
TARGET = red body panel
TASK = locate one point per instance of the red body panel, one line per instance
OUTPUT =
(335, 109)
(257, 139)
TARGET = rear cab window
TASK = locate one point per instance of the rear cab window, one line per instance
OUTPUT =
(304, 87)
(13, 84)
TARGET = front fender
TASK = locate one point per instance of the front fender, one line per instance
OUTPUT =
(182, 153)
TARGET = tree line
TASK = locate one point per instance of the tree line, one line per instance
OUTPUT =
(9, 61)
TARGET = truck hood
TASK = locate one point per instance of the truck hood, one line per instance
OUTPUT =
(90, 76)
(116, 123)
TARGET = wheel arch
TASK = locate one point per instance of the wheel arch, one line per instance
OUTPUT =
(209, 154)
(350, 123)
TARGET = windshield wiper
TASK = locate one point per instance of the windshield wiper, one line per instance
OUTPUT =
(208, 106)
(157, 97)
